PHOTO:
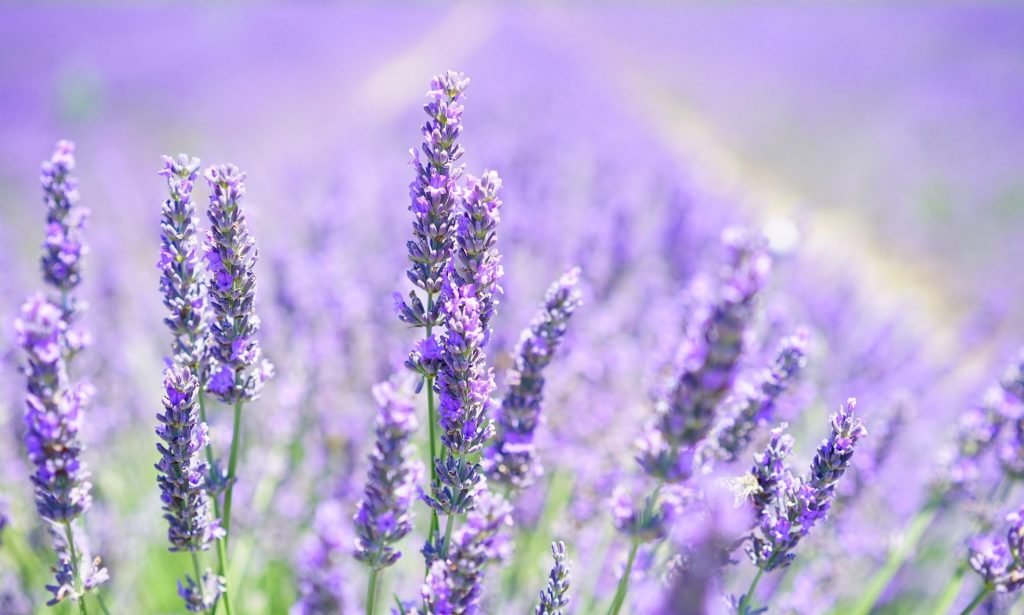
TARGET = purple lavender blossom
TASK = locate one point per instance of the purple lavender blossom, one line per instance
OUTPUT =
(1001, 563)
(510, 458)
(476, 261)
(649, 522)
(320, 566)
(434, 194)
(706, 362)
(977, 433)
(201, 596)
(798, 504)
(180, 270)
(65, 220)
(464, 384)
(454, 584)
(53, 415)
(733, 433)
(383, 517)
(555, 597)
(182, 477)
(237, 372)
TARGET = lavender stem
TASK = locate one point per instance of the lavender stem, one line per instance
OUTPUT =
(371, 593)
(236, 438)
(73, 554)
(623, 587)
(199, 577)
(431, 420)
(748, 598)
(985, 591)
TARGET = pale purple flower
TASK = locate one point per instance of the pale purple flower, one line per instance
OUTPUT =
(555, 597)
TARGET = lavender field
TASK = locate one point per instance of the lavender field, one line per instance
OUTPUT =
(481, 309)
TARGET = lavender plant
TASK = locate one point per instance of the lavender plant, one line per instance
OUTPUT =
(555, 597)
(510, 459)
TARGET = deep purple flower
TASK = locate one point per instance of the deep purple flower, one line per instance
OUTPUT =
(454, 584)
(53, 415)
(510, 459)
(555, 597)
(181, 280)
(237, 370)
(434, 194)
(755, 405)
(651, 521)
(1001, 563)
(65, 220)
(795, 504)
(383, 517)
(182, 469)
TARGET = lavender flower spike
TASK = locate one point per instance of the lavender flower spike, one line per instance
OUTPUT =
(479, 262)
(65, 221)
(510, 460)
(454, 584)
(555, 596)
(237, 372)
(53, 415)
(434, 194)
(464, 383)
(182, 469)
(1001, 563)
(798, 504)
(180, 270)
(733, 433)
(383, 517)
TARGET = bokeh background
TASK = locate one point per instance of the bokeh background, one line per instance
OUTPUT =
(879, 147)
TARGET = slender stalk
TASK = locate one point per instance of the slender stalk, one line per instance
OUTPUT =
(985, 591)
(236, 438)
(623, 587)
(952, 589)
(449, 524)
(103, 603)
(431, 419)
(748, 598)
(75, 570)
(371, 593)
(898, 556)
(223, 558)
(199, 577)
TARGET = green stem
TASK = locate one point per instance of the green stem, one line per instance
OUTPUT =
(199, 578)
(898, 556)
(748, 598)
(431, 419)
(371, 593)
(449, 524)
(977, 600)
(952, 590)
(76, 573)
(103, 603)
(623, 587)
(236, 438)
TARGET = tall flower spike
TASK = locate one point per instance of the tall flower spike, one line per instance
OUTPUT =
(383, 517)
(464, 384)
(321, 566)
(182, 470)
(478, 262)
(180, 270)
(65, 221)
(1001, 563)
(555, 596)
(53, 415)
(733, 432)
(237, 371)
(509, 460)
(454, 585)
(798, 504)
(706, 362)
(434, 194)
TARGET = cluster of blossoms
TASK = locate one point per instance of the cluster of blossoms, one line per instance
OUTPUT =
(706, 364)
(383, 517)
(510, 459)
(1000, 563)
(454, 584)
(181, 282)
(321, 571)
(55, 404)
(788, 506)
(555, 597)
(237, 370)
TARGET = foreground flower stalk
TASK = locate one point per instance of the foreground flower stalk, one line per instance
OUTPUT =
(236, 368)
(54, 404)
(434, 193)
